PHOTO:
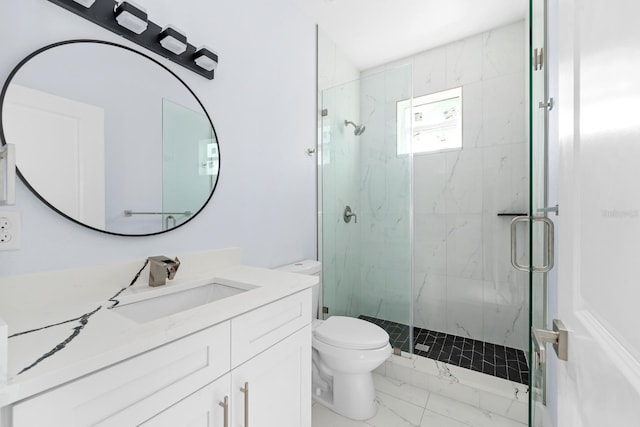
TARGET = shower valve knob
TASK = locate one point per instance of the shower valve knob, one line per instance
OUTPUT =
(348, 214)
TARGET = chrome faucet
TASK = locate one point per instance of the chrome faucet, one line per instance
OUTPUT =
(162, 268)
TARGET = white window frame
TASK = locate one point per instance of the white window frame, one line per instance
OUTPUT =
(408, 130)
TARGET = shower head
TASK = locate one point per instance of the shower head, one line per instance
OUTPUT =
(358, 129)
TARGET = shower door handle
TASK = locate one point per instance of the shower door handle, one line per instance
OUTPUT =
(549, 242)
(559, 337)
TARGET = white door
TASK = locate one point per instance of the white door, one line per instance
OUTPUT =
(599, 197)
(67, 170)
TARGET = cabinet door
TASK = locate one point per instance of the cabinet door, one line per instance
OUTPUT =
(277, 383)
(200, 409)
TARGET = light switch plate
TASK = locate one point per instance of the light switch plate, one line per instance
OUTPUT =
(10, 230)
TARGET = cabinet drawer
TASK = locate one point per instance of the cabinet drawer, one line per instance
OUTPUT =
(135, 389)
(259, 329)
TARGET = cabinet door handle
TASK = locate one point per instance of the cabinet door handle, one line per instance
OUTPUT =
(225, 405)
(245, 390)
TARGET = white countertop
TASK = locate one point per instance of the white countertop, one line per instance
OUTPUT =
(34, 301)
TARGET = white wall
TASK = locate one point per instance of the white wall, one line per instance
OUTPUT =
(262, 105)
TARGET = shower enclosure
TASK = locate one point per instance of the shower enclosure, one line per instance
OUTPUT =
(428, 258)
(366, 204)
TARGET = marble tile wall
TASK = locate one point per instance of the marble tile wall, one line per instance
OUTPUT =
(384, 220)
(462, 283)
(463, 280)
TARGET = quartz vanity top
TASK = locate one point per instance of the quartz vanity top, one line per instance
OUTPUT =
(98, 337)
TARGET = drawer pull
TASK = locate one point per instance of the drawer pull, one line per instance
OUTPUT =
(245, 390)
(225, 405)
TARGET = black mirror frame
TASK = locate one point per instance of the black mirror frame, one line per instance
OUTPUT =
(3, 140)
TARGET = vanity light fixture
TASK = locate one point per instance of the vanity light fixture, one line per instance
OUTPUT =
(132, 16)
(205, 58)
(85, 3)
(168, 42)
(173, 40)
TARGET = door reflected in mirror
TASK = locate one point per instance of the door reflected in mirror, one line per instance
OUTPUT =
(109, 137)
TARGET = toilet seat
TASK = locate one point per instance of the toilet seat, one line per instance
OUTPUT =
(351, 333)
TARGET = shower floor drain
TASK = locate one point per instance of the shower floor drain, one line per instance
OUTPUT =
(422, 347)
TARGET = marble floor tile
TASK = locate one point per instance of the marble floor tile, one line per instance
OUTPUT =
(322, 416)
(401, 390)
(433, 419)
(401, 404)
(395, 412)
(466, 414)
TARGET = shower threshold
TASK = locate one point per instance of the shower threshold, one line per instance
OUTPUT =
(491, 359)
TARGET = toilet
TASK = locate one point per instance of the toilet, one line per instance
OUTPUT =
(345, 352)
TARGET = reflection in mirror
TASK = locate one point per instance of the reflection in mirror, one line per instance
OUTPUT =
(187, 139)
(109, 137)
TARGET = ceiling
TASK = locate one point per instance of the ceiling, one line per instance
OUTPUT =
(374, 32)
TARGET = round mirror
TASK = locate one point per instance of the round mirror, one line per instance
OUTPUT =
(109, 137)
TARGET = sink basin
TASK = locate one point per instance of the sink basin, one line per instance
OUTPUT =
(161, 306)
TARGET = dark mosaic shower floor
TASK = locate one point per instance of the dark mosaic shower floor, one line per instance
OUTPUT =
(492, 359)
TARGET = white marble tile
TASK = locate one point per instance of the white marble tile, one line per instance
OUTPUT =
(464, 181)
(468, 414)
(321, 416)
(430, 71)
(472, 115)
(490, 384)
(430, 298)
(503, 50)
(401, 390)
(374, 286)
(464, 246)
(492, 394)
(506, 325)
(398, 294)
(464, 312)
(396, 412)
(464, 61)
(401, 404)
(429, 183)
(433, 419)
(507, 407)
(430, 244)
(503, 110)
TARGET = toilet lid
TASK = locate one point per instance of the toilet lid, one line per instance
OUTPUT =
(352, 333)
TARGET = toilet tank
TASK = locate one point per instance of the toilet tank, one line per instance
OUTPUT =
(312, 268)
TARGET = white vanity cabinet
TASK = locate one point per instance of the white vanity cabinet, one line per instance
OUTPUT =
(260, 361)
(207, 407)
(274, 388)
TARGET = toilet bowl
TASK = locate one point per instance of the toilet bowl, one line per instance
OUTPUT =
(345, 352)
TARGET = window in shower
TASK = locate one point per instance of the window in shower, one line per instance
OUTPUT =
(433, 124)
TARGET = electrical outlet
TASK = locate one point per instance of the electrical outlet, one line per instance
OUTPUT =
(10, 228)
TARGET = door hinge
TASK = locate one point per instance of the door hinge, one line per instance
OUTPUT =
(538, 58)
(559, 337)
(548, 105)
(325, 310)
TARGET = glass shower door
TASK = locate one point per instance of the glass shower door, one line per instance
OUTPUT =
(540, 238)
(366, 210)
